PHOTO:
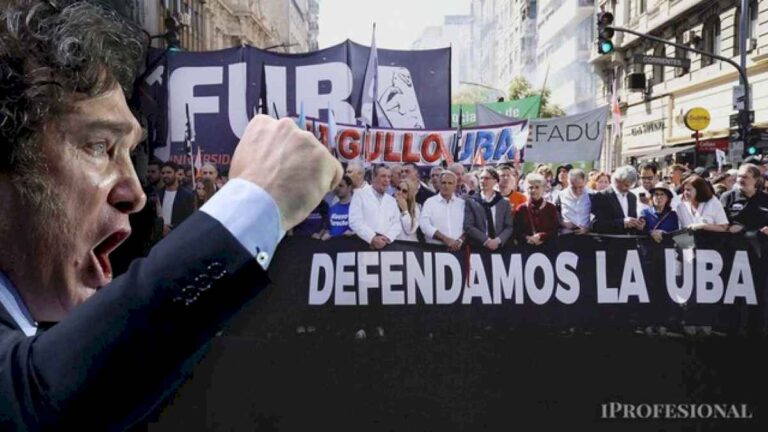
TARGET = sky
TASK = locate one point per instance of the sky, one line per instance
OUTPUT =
(398, 22)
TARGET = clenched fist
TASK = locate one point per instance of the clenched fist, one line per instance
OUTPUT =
(290, 164)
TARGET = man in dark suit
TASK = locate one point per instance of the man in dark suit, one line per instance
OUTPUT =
(177, 203)
(411, 172)
(79, 351)
(487, 215)
(615, 208)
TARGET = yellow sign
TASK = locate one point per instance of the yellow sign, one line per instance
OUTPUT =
(697, 119)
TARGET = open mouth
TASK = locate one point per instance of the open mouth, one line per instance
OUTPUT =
(100, 255)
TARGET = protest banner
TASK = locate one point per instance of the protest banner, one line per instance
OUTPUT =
(574, 281)
(225, 88)
(427, 147)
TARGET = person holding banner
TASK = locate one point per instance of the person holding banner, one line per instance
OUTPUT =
(747, 205)
(537, 220)
(615, 208)
(487, 216)
(700, 209)
(373, 214)
(574, 204)
(442, 217)
(660, 218)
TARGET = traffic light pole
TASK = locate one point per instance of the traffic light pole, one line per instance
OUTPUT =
(742, 70)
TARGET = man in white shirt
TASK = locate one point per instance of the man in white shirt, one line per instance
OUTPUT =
(574, 204)
(649, 176)
(356, 172)
(373, 214)
(442, 217)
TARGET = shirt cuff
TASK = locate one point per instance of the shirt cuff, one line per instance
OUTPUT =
(251, 215)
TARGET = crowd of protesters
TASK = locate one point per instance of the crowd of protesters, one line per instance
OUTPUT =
(492, 207)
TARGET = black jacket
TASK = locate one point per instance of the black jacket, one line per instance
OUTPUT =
(609, 217)
(183, 205)
(116, 356)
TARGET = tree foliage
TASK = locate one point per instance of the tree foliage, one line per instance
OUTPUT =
(520, 88)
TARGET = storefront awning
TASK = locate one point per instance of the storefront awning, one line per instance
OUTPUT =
(666, 151)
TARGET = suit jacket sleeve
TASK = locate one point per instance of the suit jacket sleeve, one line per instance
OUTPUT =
(475, 234)
(132, 338)
(606, 220)
(507, 227)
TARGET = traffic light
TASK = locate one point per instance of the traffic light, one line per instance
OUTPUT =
(752, 143)
(604, 33)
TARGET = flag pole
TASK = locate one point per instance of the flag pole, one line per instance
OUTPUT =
(188, 143)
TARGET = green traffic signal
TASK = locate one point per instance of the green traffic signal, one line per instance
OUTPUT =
(752, 150)
(605, 46)
(604, 33)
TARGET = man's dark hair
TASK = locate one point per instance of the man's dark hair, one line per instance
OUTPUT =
(649, 166)
(50, 50)
(491, 172)
(377, 168)
(174, 166)
(155, 161)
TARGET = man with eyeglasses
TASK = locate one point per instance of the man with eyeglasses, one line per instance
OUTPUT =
(648, 179)
(487, 215)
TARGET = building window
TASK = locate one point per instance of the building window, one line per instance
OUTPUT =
(658, 70)
(711, 39)
(681, 53)
(641, 7)
(754, 10)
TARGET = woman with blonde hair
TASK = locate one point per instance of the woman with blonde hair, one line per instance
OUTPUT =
(405, 195)
(599, 182)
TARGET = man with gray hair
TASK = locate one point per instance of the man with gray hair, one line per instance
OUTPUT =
(356, 172)
(615, 208)
(574, 204)
(442, 217)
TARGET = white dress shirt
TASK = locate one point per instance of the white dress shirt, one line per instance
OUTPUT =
(442, 215)
(167, 206)
(372, 213)
(246, 210)
(623, 201)
(575, 209)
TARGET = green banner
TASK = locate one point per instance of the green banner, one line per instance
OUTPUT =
(526, 108)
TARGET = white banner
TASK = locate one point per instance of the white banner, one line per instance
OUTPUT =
(567, 139)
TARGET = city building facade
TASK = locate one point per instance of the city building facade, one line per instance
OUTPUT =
(565, 30)
(652, 126)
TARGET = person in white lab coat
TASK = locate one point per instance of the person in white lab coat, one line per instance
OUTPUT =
(373, 214)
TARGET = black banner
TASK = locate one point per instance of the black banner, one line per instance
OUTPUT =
(574, 281)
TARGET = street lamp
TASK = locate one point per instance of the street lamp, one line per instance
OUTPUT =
(501, 92)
